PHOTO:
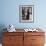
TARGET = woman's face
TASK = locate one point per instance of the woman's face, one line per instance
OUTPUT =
(25, 11)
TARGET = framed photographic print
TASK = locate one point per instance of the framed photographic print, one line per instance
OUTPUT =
(26, 13)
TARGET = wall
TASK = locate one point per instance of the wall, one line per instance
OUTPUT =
(9, 13)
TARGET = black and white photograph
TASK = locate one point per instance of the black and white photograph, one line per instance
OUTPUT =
(26, 13)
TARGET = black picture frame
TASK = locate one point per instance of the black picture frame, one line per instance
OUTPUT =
(26, 13)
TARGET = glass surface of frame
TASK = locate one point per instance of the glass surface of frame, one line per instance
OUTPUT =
(26, 13)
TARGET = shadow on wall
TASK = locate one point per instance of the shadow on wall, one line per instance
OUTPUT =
(2, 26)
